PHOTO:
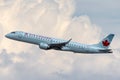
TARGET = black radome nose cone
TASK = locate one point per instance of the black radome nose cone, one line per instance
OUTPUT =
(6, 36)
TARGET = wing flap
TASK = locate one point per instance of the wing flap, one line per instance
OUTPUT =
(59, 45)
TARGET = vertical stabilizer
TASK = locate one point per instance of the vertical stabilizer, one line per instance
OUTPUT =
(105, 43)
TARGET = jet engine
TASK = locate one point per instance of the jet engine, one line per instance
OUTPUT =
(65, 49)
(44, 46)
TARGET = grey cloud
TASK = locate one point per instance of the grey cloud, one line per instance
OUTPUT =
(33, 66)
(43, 66)
(5, 59)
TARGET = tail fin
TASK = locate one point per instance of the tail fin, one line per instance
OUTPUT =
(105, 43)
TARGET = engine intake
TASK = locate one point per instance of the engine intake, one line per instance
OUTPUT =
(44, 46)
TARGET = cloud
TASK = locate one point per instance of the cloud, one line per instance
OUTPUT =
(52, 18)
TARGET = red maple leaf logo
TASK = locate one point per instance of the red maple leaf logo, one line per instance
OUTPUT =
(105, 43)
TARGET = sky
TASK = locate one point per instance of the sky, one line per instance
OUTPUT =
(104, 13)
(85, 21)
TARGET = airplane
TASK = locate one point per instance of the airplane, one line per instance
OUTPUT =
(48, 43)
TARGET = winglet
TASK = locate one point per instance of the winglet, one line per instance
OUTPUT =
(69, 40)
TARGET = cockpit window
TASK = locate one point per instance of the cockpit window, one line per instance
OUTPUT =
(13, 32)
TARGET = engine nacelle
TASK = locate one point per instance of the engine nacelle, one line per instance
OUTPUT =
(65, 49)
(44, 46)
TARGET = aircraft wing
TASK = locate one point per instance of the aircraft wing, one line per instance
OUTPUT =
(59, 45)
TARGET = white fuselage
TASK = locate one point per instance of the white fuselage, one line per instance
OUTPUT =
(45, 41)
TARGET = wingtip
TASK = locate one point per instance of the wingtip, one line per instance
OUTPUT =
(70, 39)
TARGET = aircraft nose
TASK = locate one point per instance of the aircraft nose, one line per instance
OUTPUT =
(7, 35)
